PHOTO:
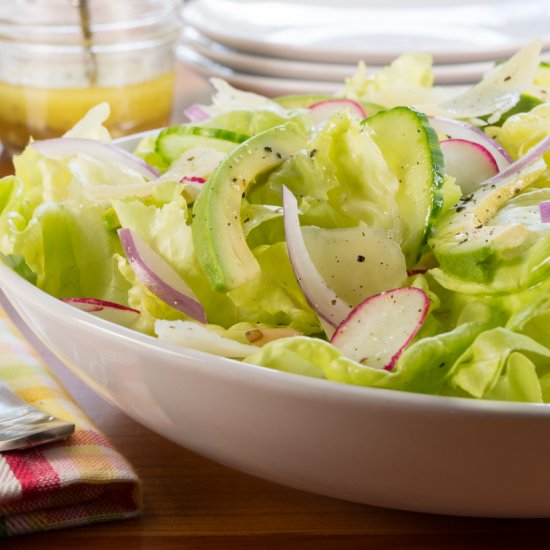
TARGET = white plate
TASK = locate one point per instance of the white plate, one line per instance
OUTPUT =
(382, 447)
(264, 65)
(265, 85)
(376, 31)
(458, 73)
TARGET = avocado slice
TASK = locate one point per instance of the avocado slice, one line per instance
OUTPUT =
(468, 239)
(220, 244)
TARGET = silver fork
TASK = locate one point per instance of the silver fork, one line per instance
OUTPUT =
(22, 426)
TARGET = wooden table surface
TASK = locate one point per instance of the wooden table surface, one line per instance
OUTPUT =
(194, 503)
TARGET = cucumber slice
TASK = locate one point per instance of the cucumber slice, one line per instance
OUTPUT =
(175, 140)
(218, 236)
(411, 149)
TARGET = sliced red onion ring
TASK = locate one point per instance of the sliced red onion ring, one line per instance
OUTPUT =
(110, 311)
(495, 191)
(377, 331)
(544, 209)
(196, 113)
(319, 296)
(159, 277)
(456, 129)
(531, 156)
(470, 163)
(58, 148)
(323, 110)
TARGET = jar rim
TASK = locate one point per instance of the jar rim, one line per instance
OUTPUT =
(164, 22)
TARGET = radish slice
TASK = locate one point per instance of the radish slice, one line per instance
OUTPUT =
(110, 311)
(456, 129)
(544, 209)
(196, 113)
(159, 277)
(58, 148)
(323, 110)
(470, 163)
(193, 186)
(193, 179)
(378, 330)
(319, 296)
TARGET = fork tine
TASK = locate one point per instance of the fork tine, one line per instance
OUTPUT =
(23, 435)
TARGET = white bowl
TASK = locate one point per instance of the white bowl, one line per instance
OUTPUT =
(381, 447)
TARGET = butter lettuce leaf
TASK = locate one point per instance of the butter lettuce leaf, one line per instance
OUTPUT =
(491, 366)
(72, 253)
(422, 368)
(341, 180)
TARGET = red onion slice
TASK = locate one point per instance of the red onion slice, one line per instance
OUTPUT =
(484, 203)
(159, 277)
(530, 157)
(544, 209)
(196, 113)
(110, 311)
(58, 148)
(319, 296)
(456, 129)
(378, 330)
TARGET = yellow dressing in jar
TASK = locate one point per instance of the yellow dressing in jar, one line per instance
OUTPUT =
(43, 113)
(53, 70)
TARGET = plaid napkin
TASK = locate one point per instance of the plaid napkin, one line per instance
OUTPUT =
(78, 481)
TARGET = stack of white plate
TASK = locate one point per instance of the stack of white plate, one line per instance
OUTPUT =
(280, 47)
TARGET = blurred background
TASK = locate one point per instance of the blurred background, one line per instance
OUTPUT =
(151, 58)
(305, 46)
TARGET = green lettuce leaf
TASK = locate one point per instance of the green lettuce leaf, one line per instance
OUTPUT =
(251, 122)
(406, 81)
(340, 181)
(422, 368)
(480, 368)
(518, 382)
(275, 297)
(163, 224)
(71, 252)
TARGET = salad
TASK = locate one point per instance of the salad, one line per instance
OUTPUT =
(395, 235)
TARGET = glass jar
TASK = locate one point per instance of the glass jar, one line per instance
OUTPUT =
(59, 58)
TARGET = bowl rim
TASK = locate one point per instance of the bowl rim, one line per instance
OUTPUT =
(256, 375)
